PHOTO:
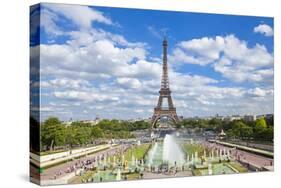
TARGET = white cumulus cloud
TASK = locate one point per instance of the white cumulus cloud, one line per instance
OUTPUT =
(264, 29)
(228, 55)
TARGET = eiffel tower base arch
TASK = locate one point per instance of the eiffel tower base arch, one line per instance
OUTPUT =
(159, 113)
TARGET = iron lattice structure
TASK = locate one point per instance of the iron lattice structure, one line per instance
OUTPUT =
(165, 93)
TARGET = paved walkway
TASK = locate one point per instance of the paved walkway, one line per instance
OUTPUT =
(257, 161)
(150, 175)
(55, 158)
(60, 171)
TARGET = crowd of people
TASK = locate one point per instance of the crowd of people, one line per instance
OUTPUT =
(90, 162)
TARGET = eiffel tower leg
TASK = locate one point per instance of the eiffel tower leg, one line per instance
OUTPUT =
(153, 121)
(170, 102)
(160, 102)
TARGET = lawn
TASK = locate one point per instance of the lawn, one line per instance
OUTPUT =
(85, 176)
(138, 151)
(192, 148)
(133, 176)
(238, 167)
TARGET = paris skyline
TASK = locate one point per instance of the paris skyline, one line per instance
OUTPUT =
(100, 61)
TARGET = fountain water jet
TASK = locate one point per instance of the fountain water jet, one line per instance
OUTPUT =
(118, 175)
(210, 170)
(172, 153)
(152, 152)
(133, 160)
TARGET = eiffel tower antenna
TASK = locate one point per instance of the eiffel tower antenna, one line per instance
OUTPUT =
(164, 92)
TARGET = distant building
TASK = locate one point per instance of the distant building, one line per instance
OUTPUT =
(249, 118)
(219, 117)
(67, 123)
(260, 116)
(268, 116)
(139, 119)
(92, 122)
(232, 118)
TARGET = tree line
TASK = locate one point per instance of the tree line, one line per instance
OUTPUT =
(260, 130)
(54, 133)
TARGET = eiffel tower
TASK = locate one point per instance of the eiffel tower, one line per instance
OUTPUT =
(165, 93)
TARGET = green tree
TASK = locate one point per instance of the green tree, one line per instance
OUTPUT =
(246, 132)
(268, 134)
(96, 132)
(241, 130)
(261, 124)
(82, 136)
(52, 133)
(215, 124)
(260, 128)
(71, 139)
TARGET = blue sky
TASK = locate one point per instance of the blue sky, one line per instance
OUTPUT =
(107, 62)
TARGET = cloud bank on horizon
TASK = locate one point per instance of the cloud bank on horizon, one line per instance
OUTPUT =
(107, 62)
